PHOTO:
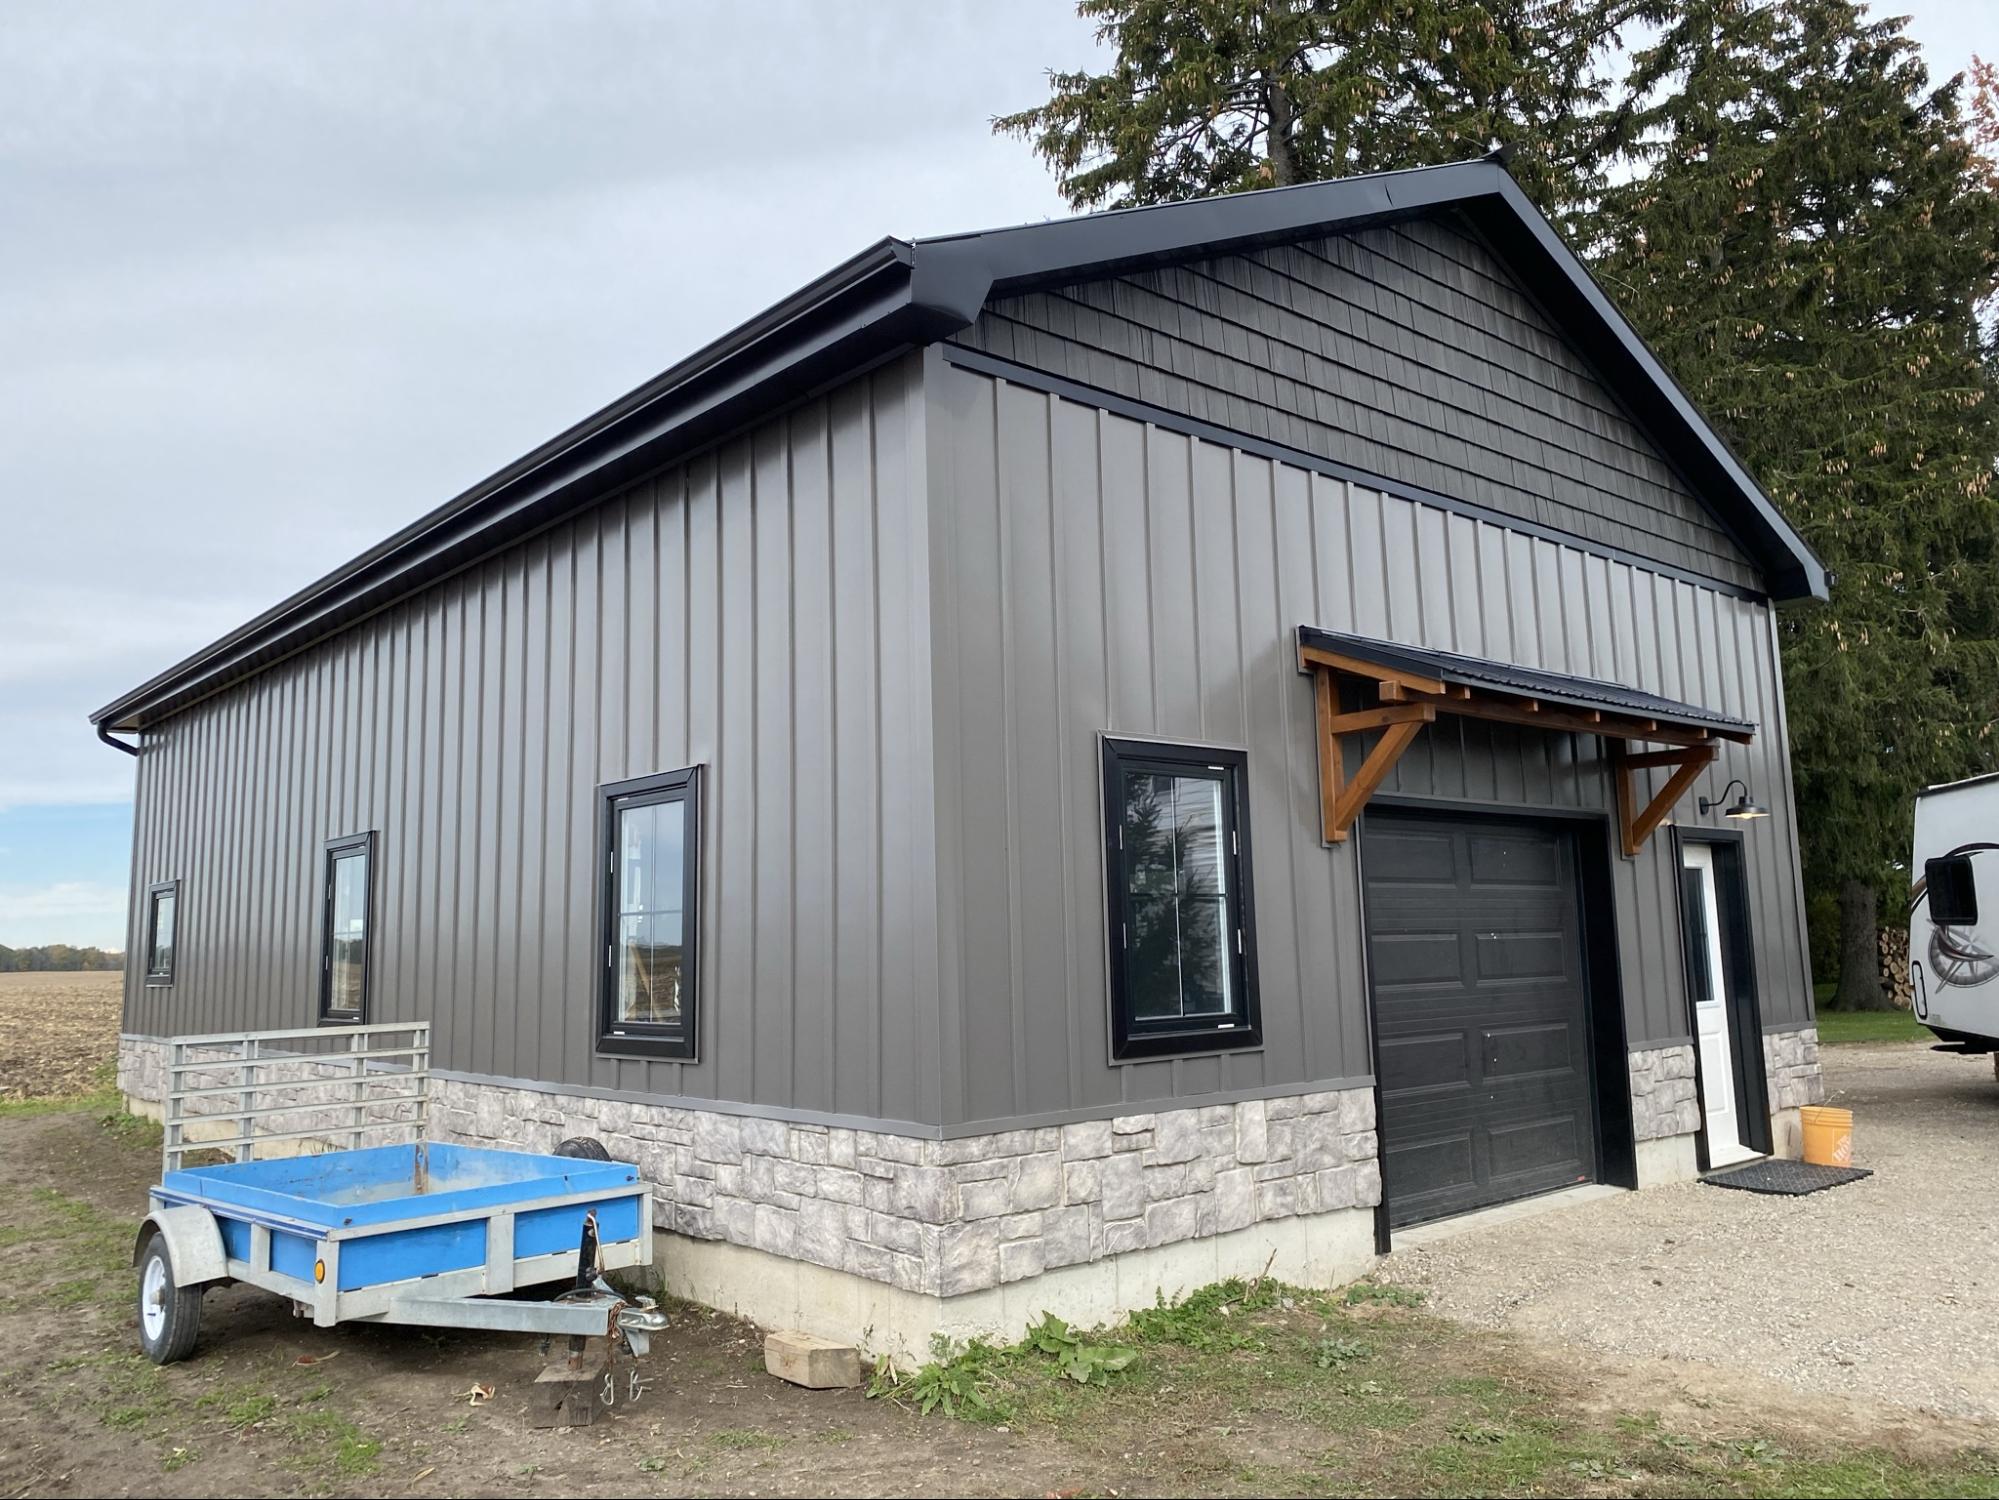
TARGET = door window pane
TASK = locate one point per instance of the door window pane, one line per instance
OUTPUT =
(648, 945)
(1693, 901)
(347, 933)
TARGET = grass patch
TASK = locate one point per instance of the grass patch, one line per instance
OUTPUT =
(245, 1410)
(317, 1439)
(1839, 1027)
(90, 1249)
(1383, 1294)
(102, 1097)
(1252, 1387)
(746, 1439)
(1215, 1317)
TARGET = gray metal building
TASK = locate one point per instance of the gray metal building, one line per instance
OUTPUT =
(1049, 765)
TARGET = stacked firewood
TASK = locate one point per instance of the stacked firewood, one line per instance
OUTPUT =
(1894, 949)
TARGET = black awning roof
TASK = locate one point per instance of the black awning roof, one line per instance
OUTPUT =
(1527, 682)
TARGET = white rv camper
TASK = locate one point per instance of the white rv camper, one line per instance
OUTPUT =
(1954, 914)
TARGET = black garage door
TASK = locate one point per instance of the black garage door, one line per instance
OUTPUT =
(1481, 1011)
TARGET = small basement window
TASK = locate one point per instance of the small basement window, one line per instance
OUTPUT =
(650, 854)
(1182, 940)
(162, 907)
(343, 960)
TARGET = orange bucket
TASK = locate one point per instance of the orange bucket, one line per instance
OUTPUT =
(1828, 1135)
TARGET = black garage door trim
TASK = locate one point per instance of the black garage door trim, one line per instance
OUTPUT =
(1553, 1109)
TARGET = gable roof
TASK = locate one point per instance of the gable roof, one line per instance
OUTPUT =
(899, 294)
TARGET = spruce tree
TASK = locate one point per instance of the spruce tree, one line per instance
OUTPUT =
(1216, 96)
(1806, 240)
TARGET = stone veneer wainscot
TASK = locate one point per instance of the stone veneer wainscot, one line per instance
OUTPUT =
(1791, 1068)
(1665, 1101)
(947, 1217)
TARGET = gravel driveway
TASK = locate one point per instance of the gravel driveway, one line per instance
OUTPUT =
(1886, 1289)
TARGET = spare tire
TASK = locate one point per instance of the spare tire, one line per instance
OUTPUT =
(589, 1148)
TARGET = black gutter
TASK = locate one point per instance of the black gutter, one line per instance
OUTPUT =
(104, 734)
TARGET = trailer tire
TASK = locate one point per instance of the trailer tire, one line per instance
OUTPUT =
(584, 1147)
(169, 1314)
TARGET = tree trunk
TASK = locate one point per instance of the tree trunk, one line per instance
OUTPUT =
(1280, 120)
(1859, 950)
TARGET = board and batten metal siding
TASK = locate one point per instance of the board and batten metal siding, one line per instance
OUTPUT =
(761, 611)
(1405, 350)
(1093, 574)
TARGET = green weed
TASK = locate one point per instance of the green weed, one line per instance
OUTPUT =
(1336, 1352)
(1383, 1294)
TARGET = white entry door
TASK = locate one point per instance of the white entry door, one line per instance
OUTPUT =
(1709, 981)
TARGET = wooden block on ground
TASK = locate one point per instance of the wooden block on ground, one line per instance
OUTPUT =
(808, 1360)
(563, 1396)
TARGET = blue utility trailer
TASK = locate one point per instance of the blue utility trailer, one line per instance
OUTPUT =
(411, 1231)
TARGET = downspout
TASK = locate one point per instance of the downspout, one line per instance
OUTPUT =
(104, 734)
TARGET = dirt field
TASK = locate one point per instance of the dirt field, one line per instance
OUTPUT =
(1250, 1391)
(58, 1032)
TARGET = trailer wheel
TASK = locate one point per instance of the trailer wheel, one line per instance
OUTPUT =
(169, 1314)
(588, 1148)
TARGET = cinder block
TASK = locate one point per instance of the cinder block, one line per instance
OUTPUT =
(808, 1360)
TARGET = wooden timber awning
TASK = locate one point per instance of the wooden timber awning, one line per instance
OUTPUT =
(1411, 686)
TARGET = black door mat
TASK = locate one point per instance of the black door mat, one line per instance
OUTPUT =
(1777, 1175)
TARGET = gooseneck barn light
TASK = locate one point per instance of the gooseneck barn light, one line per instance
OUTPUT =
(1742, 809)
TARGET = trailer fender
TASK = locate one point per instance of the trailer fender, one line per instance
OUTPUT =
(194, 1243)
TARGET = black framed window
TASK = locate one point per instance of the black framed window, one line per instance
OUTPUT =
(650, 843)
(1182, 934)
(162, 920)
(347, 928)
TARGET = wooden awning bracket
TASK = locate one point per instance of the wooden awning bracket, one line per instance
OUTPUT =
(1635, 824)
(1407, 701)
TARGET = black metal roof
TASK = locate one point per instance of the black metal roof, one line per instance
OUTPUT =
(898, 295)
(1528, 682)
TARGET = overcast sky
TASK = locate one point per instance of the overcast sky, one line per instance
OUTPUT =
(277, 277)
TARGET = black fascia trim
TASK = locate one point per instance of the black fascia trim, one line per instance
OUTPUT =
(675, 1042)
(848, 319)
(332, 849)
(1130, 1043)
(159, 979)
(981, 363)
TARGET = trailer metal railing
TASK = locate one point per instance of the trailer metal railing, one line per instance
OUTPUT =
(356, 1081)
